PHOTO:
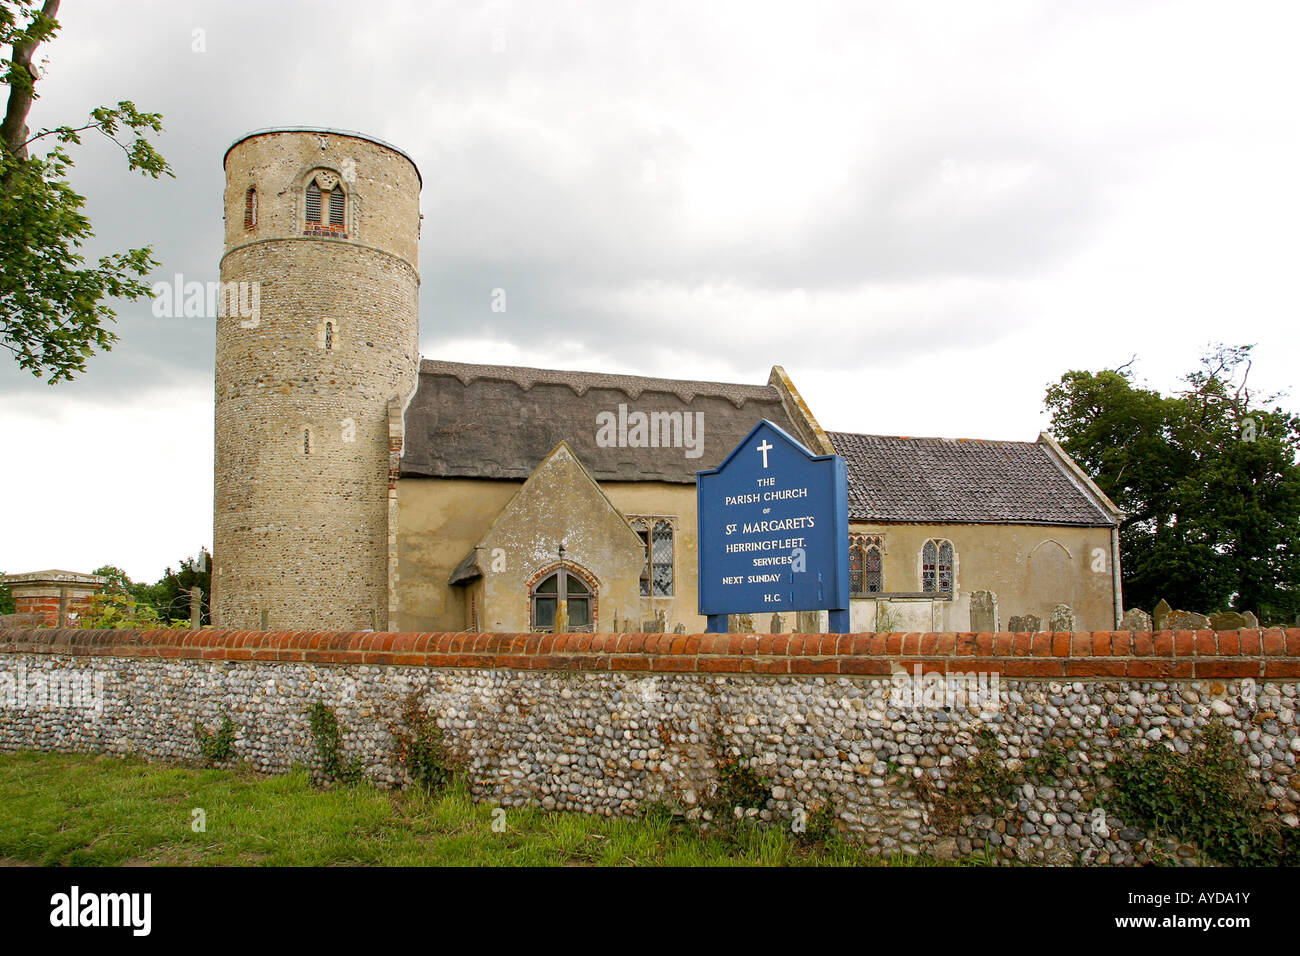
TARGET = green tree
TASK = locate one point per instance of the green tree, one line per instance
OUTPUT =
(1207, 478)
(52, 308)
(6, 599)
(169, 597)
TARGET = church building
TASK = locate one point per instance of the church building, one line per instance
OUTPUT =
(358, 486)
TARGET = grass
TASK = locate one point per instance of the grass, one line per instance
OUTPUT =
(81, 810)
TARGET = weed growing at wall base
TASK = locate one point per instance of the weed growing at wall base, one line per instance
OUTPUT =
(216, 747)
(1204, 797)
(329, 747)
(421, 750)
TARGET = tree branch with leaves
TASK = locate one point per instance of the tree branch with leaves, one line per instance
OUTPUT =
(53, 308)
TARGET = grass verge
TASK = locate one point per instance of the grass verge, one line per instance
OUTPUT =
(84, 810)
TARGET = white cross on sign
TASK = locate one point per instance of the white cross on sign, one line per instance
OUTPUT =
(764, 448)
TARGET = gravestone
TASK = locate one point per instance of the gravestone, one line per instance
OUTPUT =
(983, 611)
(778, 624)
(1025, 624)
(1061, 618)
(740, 623)
(1135, 619)
(1160, 615)
(1186, 621)
(808, 622)
(1232, 621)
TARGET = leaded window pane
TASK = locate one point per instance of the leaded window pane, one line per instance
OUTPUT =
(929, 559)
(855, 570)
(662, 559)
(945, 566)
(872, 575)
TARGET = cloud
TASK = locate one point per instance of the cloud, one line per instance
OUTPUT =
(948, 204)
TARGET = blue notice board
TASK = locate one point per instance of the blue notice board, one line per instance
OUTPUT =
(774, 531)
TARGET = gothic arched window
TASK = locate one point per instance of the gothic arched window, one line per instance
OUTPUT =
(336, 206)
(866, 574)
(873, 575)
(313, 204)
(936, 567)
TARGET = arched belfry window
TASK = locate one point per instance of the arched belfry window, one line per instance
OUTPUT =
(313, 204)
(545, 597)
(250, 208)
(336, 206)
(936, 567)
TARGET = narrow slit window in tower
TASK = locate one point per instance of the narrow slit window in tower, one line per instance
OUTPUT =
(329, 336)
(250, 208)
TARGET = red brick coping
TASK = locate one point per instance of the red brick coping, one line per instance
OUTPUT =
(1273, 653)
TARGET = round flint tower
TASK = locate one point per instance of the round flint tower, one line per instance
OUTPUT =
(318, 332)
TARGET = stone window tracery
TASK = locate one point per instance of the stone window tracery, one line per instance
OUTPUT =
(866, 564)
(325, 205)
(936, 566)
(656, 536)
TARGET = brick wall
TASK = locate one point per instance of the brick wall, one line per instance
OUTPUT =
(1270, 654)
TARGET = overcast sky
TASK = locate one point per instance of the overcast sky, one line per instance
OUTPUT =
(927, 212)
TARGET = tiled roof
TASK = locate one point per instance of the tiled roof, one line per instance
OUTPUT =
(963, 481)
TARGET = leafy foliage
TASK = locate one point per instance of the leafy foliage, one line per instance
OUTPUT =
(116, 611)
(1208, 480)
(171, 593)
(216, 747)
(6, 599)
(740, 785)
(820, 828)
(329, 746)
(1205, 798)
(168, 600)
(976, 783)
(52, 307)
(421, 750)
